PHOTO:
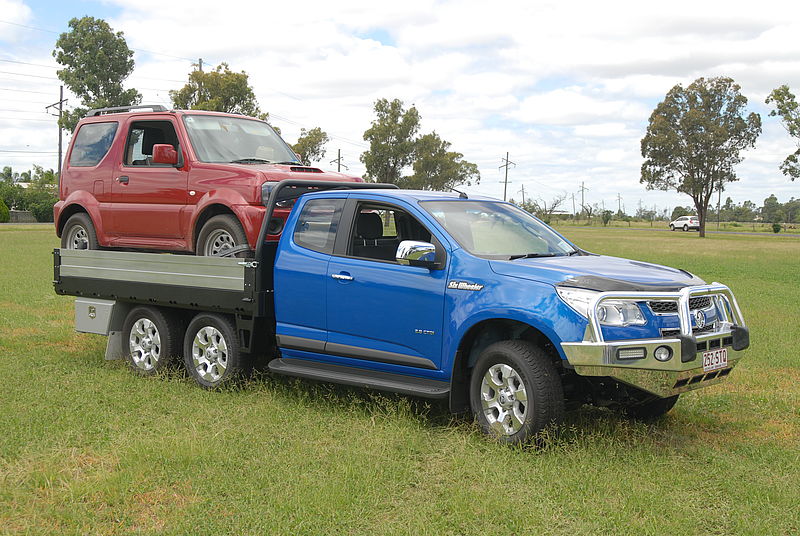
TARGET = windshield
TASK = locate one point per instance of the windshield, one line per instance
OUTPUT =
(218, 138)
(497, 230)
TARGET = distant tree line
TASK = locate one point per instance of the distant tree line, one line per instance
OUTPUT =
(38, 195)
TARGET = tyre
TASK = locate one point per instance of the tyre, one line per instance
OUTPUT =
(219, 234)
(515, 391)
(211, 351)
(671, 227)
(78, 233)
(151, 338)
(652, 409)
(685, 227)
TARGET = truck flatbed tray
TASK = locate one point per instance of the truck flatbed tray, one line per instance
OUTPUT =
(222, 284)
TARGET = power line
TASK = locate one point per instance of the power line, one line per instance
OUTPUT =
(27, 152)
(24, 119)
(24, 91)
(23, 111)
(30, 75)
(28, 63)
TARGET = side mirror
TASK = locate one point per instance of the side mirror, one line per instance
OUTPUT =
(415, 253)
(163, 153)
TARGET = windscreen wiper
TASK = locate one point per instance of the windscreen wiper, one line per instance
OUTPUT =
(250, 161)
(290, 163)
(530, 256)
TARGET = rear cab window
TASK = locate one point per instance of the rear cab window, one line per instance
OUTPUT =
(92, 143)
(317, 224)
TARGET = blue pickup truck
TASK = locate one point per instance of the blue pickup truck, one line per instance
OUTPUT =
(428, 294)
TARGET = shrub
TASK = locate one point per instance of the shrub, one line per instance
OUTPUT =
(5, 215)
(42, 211)
(776, 227)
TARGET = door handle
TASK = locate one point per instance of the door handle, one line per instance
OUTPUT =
(123, 179)
(342, 277)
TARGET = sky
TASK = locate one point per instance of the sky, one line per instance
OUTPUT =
(565, 88)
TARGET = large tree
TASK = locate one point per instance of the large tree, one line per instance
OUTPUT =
(220, 90)
(96, 62)
(436, 167)
(789, 111)
(695, 138)
(395, 148)
(392, 139)
(311, 145)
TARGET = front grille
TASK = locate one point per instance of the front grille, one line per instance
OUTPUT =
(667, 333)
(701, 302)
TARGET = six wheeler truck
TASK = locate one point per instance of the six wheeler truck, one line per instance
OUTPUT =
(424, 293)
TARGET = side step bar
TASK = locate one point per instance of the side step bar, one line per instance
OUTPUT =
(382, 381)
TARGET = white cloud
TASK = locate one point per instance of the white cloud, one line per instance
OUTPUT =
(14, 13)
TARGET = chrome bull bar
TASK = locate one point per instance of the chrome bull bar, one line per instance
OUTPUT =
(594, 356)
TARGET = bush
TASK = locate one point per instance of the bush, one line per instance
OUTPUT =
(776, 227)
(5, 215)
(42, 211)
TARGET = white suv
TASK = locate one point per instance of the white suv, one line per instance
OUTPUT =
(685, 223)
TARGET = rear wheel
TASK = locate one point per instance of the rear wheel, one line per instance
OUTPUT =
(652, 409)
(152, 337)
(685, 227)
(220, 234)
(515, 391)
(211, 350)
(79, 233)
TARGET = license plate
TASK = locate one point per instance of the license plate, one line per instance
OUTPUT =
(715, 359)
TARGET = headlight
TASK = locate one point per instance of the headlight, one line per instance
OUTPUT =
(609, 312)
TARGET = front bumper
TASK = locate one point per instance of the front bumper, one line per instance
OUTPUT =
(684, 371)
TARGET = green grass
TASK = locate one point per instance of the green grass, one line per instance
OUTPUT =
(711, 227)
(87, 447)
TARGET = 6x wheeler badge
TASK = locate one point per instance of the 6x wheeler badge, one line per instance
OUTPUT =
(464, 285)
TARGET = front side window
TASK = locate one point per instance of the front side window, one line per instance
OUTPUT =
(92, 142)
(217, 138)
(142, 136)
(317, 223)
(379, 229)
(497, 230)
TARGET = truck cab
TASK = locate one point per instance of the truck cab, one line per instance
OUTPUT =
(145, 177)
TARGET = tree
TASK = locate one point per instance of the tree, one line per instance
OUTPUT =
(96, 62)
(220, 90)
(311, 145)
(772, 211)
(438, 168)
(391, 141)
(5, 215)
(694, 140)
(677, 212)
(394, 147)
(787, 108)
(544, 210)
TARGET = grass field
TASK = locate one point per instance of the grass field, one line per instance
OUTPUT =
(86, 447)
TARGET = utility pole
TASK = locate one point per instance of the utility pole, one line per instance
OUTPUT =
(619, 203)
(523, 195)
(60, 104)
(507, 163)
(338, 161)
(200, 65)
(583, 189)
(574, 214)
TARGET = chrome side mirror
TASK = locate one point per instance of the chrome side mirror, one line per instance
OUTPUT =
(415, 253)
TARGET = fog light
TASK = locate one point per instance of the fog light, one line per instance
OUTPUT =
(631, 353)
(663, 353)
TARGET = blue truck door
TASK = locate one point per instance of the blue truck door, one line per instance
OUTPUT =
(378, 310)
(301, 272)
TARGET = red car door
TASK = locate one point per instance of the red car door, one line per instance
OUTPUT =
(148, 198)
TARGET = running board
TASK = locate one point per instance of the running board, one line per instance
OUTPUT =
(382, 381)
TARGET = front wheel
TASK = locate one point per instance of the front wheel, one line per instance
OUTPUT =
(671, 227)
(211, 350)
(515, 391)
(79, 233)
(220, 234)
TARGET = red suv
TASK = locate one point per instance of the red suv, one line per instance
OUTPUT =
(172, 180)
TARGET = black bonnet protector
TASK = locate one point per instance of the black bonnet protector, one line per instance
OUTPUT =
(606, 284)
